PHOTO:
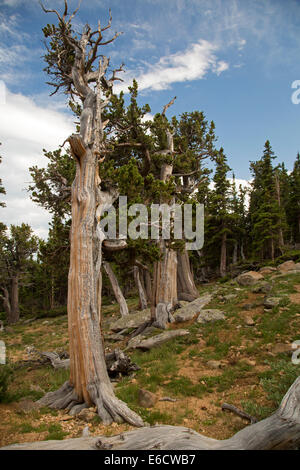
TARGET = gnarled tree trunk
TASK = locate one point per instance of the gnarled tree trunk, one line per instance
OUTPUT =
(164, 286)
(89, 381)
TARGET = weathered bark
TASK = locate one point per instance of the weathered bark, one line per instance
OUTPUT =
(140, 288)
(164, 285)
(116, 288)
(185, 278)
(14, 316)
(89, 381)
(223, 257)
(281, 431)
(148, 285)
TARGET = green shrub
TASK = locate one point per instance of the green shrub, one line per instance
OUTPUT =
(6, 373)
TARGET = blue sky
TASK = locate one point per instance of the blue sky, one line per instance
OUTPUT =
(235, 60)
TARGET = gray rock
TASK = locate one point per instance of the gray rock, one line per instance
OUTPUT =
(133, 320)
(146, 399)
(229, 297)
(28, 405)
(267, 270)
(249, 278)
(193, 308)
(214, 364)
(287, 266)
(262, 288)
(271, 302)
(210, 315)
(75, 410)
(87, 415)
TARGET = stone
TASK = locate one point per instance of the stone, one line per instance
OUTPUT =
(210, 315)
(27, 405)
(297, 266)
(249, 278)
(146, 399)
(281, 348)
(87, 415)
(249, 321)
(267, 270)
(250, 362)
(271, 302)
(229, 297)
(214, 364)
(75, 410)
(193, 308)
(287, 266)
(133, 320)
(262, 288)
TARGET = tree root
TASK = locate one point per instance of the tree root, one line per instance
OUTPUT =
(109, 408)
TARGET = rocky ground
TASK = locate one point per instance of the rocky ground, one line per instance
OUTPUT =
(232, 345)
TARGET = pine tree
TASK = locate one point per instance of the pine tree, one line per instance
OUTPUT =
(218, 217)
(293, 205)
(265, 212)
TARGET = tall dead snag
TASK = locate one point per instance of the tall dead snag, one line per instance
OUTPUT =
(116, 288)
(140, 287)
(71, 60)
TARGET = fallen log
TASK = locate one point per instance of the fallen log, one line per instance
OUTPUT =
(280, 431)
(117, 362)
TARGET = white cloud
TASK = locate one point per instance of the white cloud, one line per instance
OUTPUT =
(192, 64)
(26, 129)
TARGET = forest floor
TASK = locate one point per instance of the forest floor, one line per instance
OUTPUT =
(252, 368)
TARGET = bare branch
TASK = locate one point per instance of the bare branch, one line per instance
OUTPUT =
(168, 105)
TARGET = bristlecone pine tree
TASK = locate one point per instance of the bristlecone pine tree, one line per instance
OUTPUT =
(74, 66)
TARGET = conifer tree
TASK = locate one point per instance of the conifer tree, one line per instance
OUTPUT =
(265, 211)
(293, 204)
(218, 218)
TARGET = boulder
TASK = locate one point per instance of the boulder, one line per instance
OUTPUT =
(193, 308)
(271, 302)
(249, 278)
(267, 270)
(297, 266)
(133, 320)
(146, 399)
(287, 266)
(262, 288)
(210, 315)
(87, 415)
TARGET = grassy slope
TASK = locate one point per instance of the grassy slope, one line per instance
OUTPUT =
(254, 375)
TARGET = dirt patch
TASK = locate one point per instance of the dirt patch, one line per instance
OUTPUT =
(295, 298)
